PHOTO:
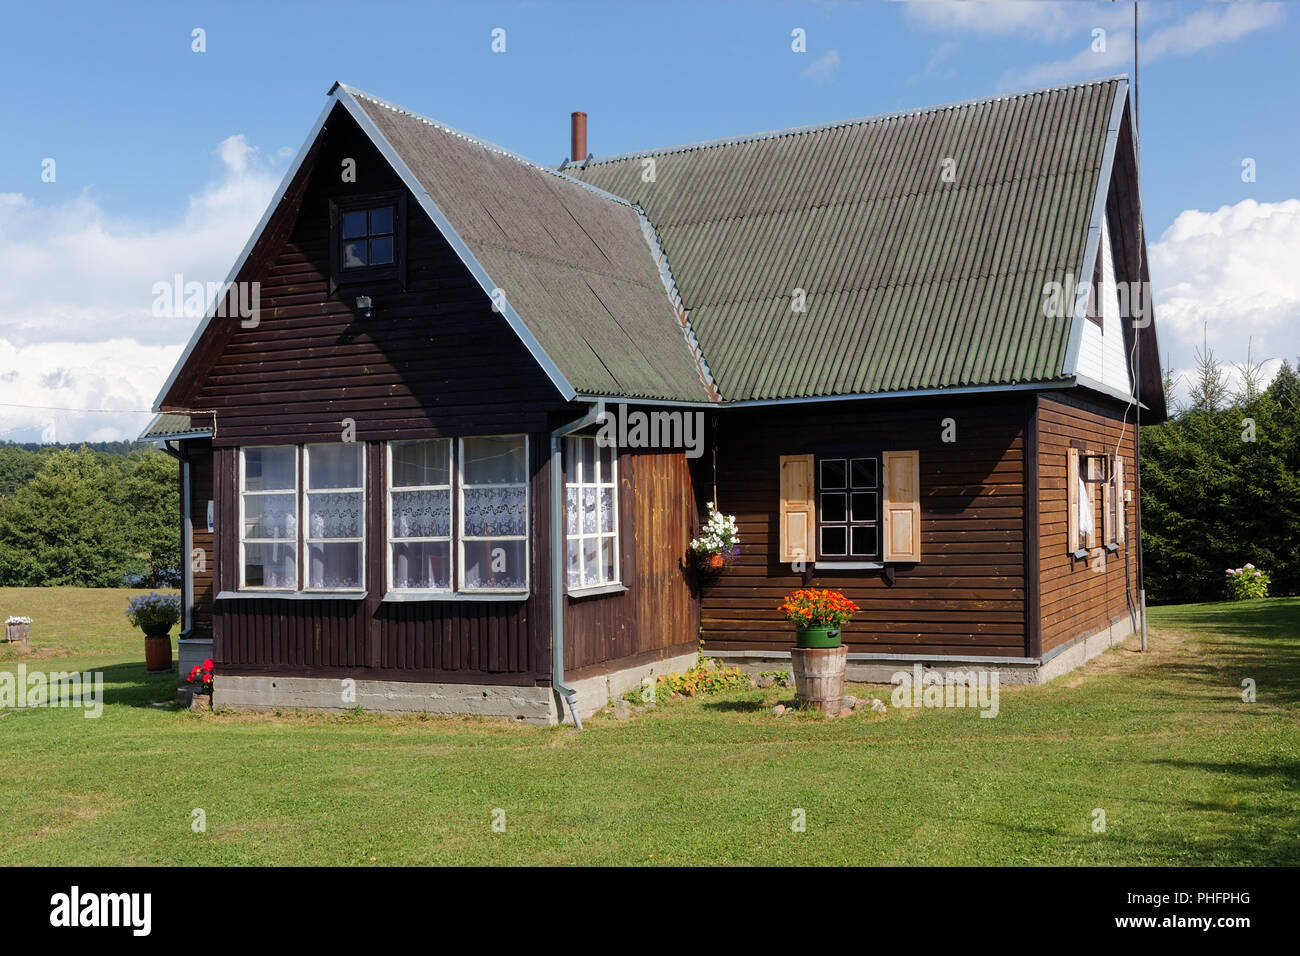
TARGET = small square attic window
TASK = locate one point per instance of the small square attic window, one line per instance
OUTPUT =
(368, 240)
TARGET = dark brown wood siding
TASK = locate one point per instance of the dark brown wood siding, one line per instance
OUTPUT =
(656, 616)
(433, 360)
(965, 596)
(1078, 598)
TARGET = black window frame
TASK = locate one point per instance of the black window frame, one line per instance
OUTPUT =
(848, 456)
(386, 273)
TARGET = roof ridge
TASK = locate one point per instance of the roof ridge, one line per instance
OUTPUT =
(851, 121)
(476, 140)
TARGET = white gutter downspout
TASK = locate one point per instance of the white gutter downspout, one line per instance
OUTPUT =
(594, 413)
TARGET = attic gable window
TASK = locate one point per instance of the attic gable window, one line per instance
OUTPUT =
(367, 239)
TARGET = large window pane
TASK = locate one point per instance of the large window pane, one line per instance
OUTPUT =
(496, 564)
(421, 514)
(335, 565)
(336, 514)
(268, 469)
(271, 516)
(499, 510)
(494, 461)
(334, 466)
(421, 462)
(422, 565)
(270, 566)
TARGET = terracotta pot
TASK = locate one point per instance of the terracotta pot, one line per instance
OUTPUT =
(157, 654)
(714, 562)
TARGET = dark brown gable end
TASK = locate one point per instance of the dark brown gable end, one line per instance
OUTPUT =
(431, 350)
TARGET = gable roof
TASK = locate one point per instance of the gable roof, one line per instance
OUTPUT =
(913, 279)
(678, 287)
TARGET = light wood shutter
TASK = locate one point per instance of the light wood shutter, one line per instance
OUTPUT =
(798, 519)
(1108, 511)
(902, 505)
(1072, 493)
(1120, 510)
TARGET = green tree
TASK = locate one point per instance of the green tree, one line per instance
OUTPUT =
(148, 499)
(61, 528)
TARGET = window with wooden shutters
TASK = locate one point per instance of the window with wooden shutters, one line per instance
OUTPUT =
(902, 505)
(848, 508)
(797, 517)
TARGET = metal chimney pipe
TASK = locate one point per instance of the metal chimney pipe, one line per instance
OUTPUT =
(578, 137)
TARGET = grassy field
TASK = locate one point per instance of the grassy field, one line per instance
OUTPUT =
(1186, 772)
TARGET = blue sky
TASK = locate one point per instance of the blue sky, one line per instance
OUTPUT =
(165, 158)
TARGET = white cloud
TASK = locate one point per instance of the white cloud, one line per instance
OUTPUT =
(822, 67)
(1049, 22)
(1197, 32)
(76, 291)
(1229, 275)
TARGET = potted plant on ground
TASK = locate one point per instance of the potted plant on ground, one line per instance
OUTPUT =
(200, 680)
(818, 657)
(17, 628)
(155, 614)
(719, 541)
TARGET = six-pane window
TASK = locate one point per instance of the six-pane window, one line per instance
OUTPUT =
(335, 530)
(848, 501)
(419, 515)
(268, 533)
(368, 237)
(591, 513)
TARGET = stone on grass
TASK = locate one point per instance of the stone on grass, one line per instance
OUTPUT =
(846, 711)
(850, 700)
(779, 709)
(622, 709)
(878, 707)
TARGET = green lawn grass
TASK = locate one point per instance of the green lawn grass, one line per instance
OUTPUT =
(1186, 772)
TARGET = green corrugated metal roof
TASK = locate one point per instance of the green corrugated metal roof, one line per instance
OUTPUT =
(573, 263)
(168, 425)
(911, 281)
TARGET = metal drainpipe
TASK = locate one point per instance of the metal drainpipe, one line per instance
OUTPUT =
(594, 413)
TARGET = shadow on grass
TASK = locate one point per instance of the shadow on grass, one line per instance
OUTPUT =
(736, 706)
(133, 686)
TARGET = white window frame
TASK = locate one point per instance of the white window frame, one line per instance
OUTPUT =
(390, 539)
(461, 537)
(572, 479)
(304, 522)
(296, 540)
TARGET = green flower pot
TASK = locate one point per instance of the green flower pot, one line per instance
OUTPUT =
(826, 636)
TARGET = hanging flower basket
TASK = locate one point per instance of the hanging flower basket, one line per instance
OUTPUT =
(718, 543)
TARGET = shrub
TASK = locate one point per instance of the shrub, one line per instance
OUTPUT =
(706, 677)
(1247, 582)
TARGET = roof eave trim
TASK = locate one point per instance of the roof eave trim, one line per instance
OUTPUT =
(171, 436)
(248, 250)
(443, 224)
(1052, 384)
(1070, 365)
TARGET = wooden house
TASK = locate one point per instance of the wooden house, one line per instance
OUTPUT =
(861, 338)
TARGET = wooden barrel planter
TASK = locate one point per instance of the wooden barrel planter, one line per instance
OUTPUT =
(819, 677)
(157, 650)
